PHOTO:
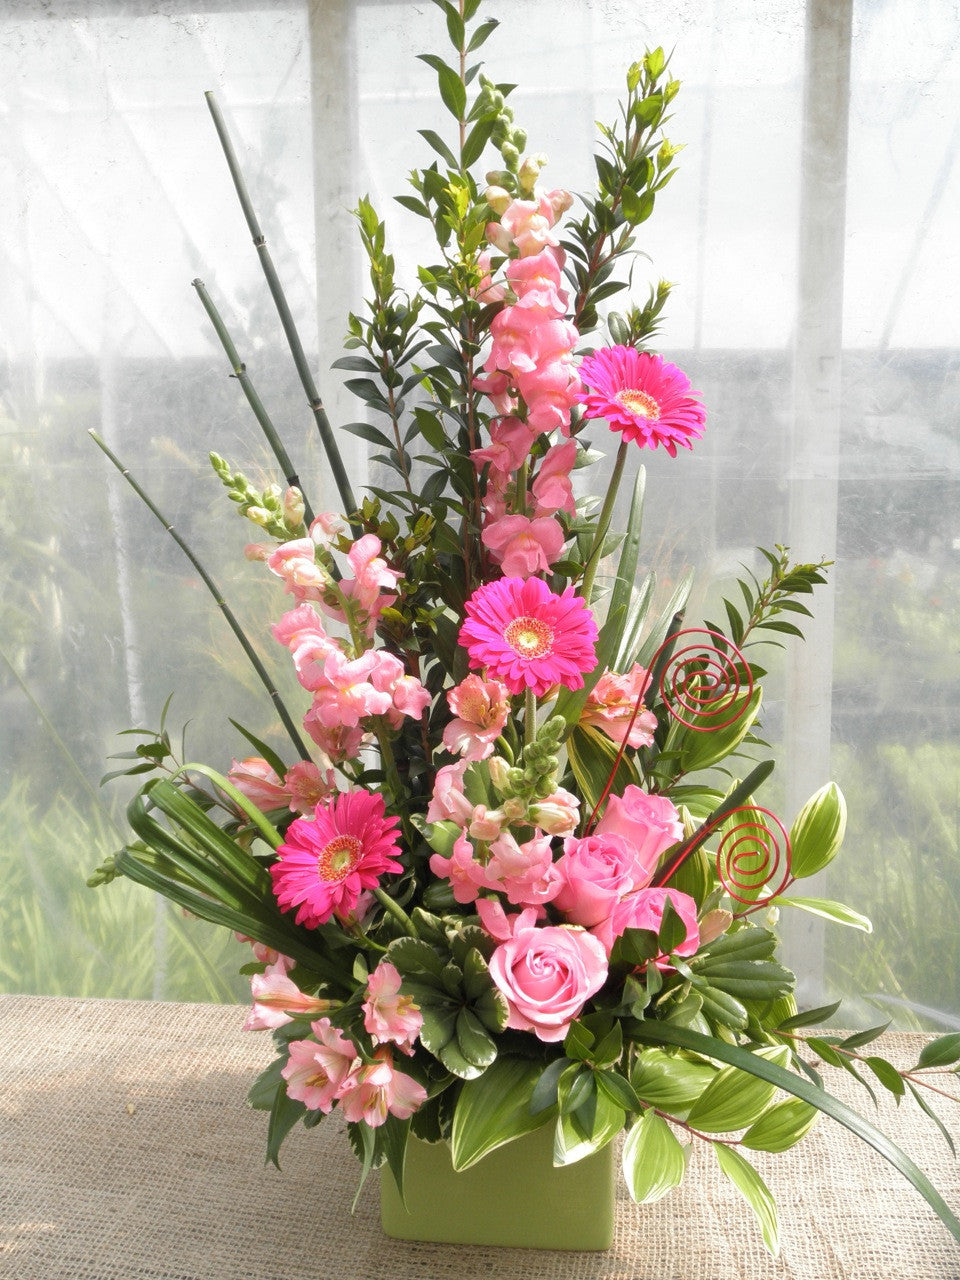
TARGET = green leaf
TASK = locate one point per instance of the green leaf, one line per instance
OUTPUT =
(781, 1126)
(578, 1134)
(733, 1100)
(702, 746)
(618, 1090)
(754, 1190)
(669, 1081)
(810, 1017)
(477, 1046)
(483, 31)
(654, 1162)
(887, 1074)
(264, 1088)
(835, 911)
(942, 1052)
(439, 146)
(713, 1047)
(545, 1091)
(817, 832)
(494, 1109)
(271, 757)
(928, 1111)
(284, 1114)
(591, 755)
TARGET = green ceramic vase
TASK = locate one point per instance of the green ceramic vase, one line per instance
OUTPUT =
(514, 1196)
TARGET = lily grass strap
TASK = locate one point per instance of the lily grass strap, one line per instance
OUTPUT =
(126, 1154)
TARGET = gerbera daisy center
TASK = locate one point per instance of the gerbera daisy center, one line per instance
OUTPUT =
(529, 637)
(338, 858)
(638, 402)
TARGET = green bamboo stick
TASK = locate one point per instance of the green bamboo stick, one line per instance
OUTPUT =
(283, 311)
(253, 399)
(215, 591)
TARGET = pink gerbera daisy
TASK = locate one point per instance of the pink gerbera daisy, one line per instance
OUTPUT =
(528, 637)
(643, 397)
(328, 860)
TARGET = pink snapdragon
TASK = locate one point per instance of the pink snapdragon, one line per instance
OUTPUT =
(461, 869)
(296, 563)
(524, 872)
(611, 704)
(480, 708)
(511, 440)
(523, 547)
(388, 1015)
(552, 488)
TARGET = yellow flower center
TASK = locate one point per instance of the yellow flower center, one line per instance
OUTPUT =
(338, 858)
(638, 402)
(529, 637)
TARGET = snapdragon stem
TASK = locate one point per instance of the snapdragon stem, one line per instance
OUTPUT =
(253, 399)
(529, 718)
(603, 524)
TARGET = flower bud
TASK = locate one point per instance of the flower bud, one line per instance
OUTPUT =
(258, 515)
(498, 770)
(498, 199)
(293, 507)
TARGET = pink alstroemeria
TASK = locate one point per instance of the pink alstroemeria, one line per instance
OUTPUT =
(259, 782)
(275, 998)
(388, 1015)
(480, 708)
(464, 872)
(524, 872)
(316, 1069)
(612, 702)
(523, 546)
(375, 1089)
(306, 785)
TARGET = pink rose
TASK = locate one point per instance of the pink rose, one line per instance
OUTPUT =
(547, 975)
(597, 872)
(650, 823)
(644, 910)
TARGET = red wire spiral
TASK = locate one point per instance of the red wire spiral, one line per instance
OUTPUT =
(750, 857)
(711, 685)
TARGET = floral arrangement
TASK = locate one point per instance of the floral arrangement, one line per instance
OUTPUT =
(515, 874)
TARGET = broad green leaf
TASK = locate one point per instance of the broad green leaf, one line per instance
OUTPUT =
(591, 755)
(754, 1190)
(654, 1162)
(494, 1109)
(477, 1046)
(703, 746)
(623, 590)
(669, 1081)
(887, 1074)
(573, 1140)
(733, 1100)
(835, 911)
(264, 1088)
(781, 1126)
(649, 1031)
(817, 832)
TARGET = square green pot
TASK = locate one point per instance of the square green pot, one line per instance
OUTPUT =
(514, 1196)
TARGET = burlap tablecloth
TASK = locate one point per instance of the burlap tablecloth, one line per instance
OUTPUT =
(127, 1153)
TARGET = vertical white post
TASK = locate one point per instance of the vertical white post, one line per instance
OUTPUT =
(815, 441)
(336, 142)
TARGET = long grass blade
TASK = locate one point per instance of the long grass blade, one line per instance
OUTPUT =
(217, 594)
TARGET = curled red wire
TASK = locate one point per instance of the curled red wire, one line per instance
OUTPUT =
(754, 854)
(703, 686)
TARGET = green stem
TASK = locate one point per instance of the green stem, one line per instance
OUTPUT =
(215, 591)
(254, 401)
(286, 318)
(395, 910)
(603, 524)
(529, 718)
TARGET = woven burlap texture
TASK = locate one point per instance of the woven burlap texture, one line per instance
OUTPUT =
(127, 1153)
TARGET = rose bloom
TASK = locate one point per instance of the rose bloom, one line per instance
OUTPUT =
(651, 824)
(644, 910)
(547, 975)
(597, 872)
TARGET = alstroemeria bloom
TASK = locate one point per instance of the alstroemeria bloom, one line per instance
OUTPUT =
(547, 975)
(275, 997)
(259, 782)
(480, 709)
(523, 546)
(388, 1015)
(611, 704)
(375, 1089)
(306, 785)
(325, 863)
(651, 824)
(528, 637)
(316, 1069)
